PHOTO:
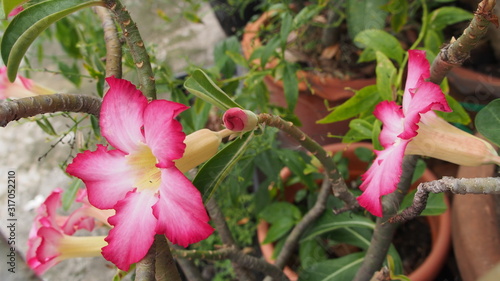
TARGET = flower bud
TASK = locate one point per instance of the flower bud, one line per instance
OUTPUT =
(438, 139)
(200, 146)
(240, 120)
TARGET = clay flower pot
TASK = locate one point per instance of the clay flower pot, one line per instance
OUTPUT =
(440, 226)
(314, 89)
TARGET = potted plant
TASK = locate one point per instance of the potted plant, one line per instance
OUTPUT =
(439, 225)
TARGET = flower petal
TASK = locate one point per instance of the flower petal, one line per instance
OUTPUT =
(382, 177)
(418, 71)
(78, 220)
(134, 229)
(49, 246)
(180, 211)
(427, 97)
(105, 173)
(32, 260)
(163, 133)
(392, 118)
(122, 112)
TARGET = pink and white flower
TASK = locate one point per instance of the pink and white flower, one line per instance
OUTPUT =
(139, 178)
(22, 87)
(50, 239)
(400, 126)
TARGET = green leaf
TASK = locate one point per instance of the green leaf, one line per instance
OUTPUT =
(69, 194)
(200, 85)
(9, 5)
(363, 15)
(444, 16)
(386, 73)
(419, 170)
(72, 73)
(363, 100)
(363, 127)
(286, 27)
(329, 222)
(435, 203)
(377, 127)
(290, 85)
(488, 120)
(46, 126)
(399, 13)
(192, 17)
(215, 170)
(26, 27)
(311, 252)
(282, 216)
(306, 14)
(379, 40)
(458, 115)
(224, 62)
(94, 122)
(343, 268)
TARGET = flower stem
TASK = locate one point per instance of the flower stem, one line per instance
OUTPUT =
(165, 264)
(383, 233)
(339, 187)
(136, 46)
(458, 50)
(113, 45)
(31, 106)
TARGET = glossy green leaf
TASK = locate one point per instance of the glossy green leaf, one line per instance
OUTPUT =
(343, 268)
(215, 170)
(69, 194)
(9, 5)
(290, 85)
(488, 120)
(379, 40)
(329, 222)
(311, 252)
(458, 115)
(200, 85)
(364, 15)
(386, 73)
(28, 25)
(362, 101)
(444, 16)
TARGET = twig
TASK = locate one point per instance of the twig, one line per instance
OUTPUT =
(338, 185)
(166, 270)
(226, 237)
(27, 107)
(113, 45)
(458, 50)
(314, 213)
(136, 47)
(188, 267)
(145, 268)
(234, 255)
(383, 233)
(457, 186)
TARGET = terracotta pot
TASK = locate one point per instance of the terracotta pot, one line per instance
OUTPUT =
(440, 226)
(475, 228)
(469, 86)
(314, 89)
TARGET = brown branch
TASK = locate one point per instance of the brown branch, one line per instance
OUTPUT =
(383, 233)
(458, 50)
(136, 47)
(236, 256)
(113, 45)
(226, 236)
(27, 107)
(166, 268)
(338, 185)
(145, 268)
(457, 186)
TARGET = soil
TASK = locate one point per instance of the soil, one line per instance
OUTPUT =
(413, 242)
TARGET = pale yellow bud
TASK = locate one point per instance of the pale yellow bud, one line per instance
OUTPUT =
(200, 146)
(438, 139)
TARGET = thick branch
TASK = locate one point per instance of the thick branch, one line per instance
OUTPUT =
(31, 106)
(145, 268)
(458, 51)
(113, 45)
(458, 186)
(136, 46)
(166, 269)
(314, 213)
(337, 182)
(383, 233)
(236, 256)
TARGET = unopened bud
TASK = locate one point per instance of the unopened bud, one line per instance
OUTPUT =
(240, 120)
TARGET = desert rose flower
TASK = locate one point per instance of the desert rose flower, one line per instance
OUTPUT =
(21, 88)
(400, 126)
(139, 178)
(50, 239)
(239, 120)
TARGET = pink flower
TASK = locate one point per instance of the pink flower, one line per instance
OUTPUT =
(21, 88)
(50, 239)
(239, 120)
(401, 125)
(139, 178)
(16, 11)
